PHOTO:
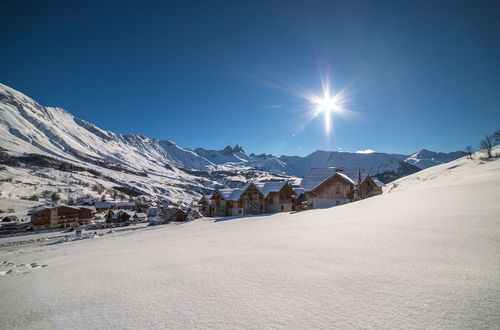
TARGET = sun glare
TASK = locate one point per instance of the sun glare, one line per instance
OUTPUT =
(328, 105)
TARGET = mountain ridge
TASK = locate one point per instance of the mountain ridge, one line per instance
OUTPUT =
(158, 166)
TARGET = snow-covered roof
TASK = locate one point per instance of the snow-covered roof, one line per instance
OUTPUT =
(40, 208)
(123, 204)
(352, 172)
(103, 204)
(49, 207)
(117, 214)
(298, 191)
(319, 175)
(231, 194)
(141, 215)
(207, 198)
(268, 187)
(376, 181)
(91, 208)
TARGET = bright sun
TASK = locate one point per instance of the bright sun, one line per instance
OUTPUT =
(328, 105)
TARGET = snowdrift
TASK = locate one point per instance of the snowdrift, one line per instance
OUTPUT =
(426, 254)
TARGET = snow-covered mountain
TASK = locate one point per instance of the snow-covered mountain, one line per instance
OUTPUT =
(49, 148)
(386, 166)
(28, 127)
(425, 158)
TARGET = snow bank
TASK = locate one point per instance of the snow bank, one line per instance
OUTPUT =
(423, 255)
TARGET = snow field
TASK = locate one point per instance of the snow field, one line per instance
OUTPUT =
(424, 255)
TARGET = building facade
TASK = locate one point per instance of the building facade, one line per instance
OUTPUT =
(59, 216)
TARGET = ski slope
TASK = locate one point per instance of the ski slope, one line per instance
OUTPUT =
(425, 254)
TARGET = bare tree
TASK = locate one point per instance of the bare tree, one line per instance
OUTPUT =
(487, 145)
(469, 151)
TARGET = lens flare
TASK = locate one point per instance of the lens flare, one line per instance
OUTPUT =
(328, 104)
(331, 102)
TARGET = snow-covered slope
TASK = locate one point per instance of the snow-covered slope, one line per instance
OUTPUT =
(90, 157)
(424, 255)
(28, 127)
(425, 158)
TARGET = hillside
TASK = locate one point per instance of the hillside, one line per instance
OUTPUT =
(425, 254)
(46, 149)
(49, 149)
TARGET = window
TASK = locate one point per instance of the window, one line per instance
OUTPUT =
(282, 208)
(240, 211)
(337, 190)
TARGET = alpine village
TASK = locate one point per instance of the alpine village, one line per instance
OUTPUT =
(321, 188)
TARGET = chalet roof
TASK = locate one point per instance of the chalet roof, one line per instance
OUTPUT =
(376, 181)
(9, 218)
(40, 208)
(298, 191)
(319, 175)
(103, 204)
(49, 207)
(123, 204)
(352, 172)
(118, 214)
(173, 210)
(91, 208)
(208, 199)
(268, 187)
(231, 194)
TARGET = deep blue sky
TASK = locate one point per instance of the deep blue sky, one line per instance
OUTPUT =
(420, 74)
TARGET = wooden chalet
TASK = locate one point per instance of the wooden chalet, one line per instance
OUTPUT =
(205, 204)
(140, 216)
(299, 200)
(8, 223)
(119, 216)
(177, 215)
(227, 202)
(369, 187)
(253, 198)
(104, 206)
(278, 196)
(327, 187)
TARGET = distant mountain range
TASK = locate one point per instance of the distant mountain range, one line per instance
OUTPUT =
(386, 166)
(39, 142)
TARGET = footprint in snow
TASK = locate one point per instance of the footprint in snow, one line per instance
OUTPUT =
(9, 268)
